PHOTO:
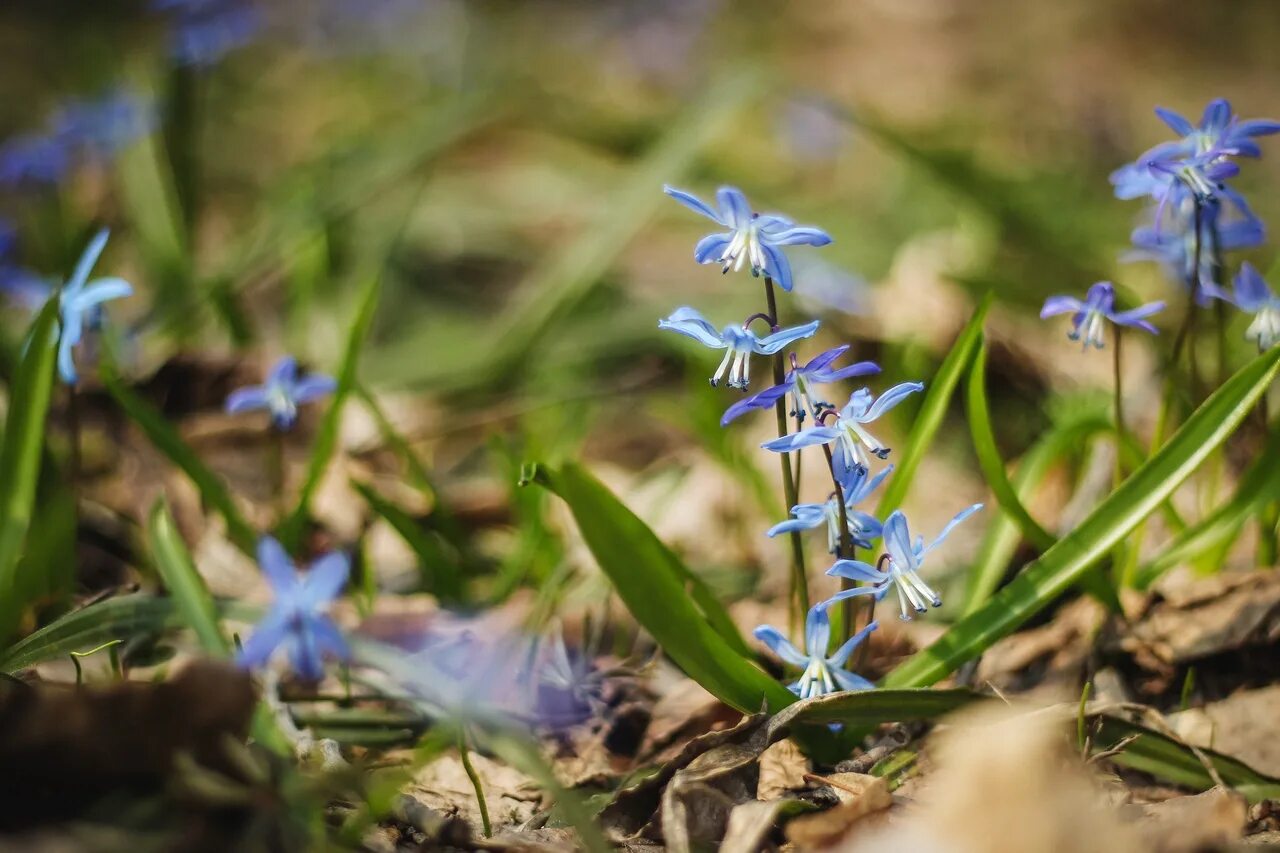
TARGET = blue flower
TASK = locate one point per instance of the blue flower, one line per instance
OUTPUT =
(1099, 305)
(80, 304)
(849, 432)
(905, 559)
(282, 393)
(86, 128)
(1253, 296)
(34, 158)
(862, 527)
(799, 381)
(298, 619)
(739, 342)
(203, 31)
(822, 674)
(21, 286)
(752, 238)
(1174, 248)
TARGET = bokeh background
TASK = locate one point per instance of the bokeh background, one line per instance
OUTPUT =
(500, 166)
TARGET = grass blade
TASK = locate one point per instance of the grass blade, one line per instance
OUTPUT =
(21, 453)
(440, 570)
(1067, 561)
(933, 410)
(167, 440)
(326, 439)
(872, 707)
(190, 596)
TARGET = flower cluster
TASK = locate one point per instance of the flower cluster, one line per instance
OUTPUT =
(755, 241)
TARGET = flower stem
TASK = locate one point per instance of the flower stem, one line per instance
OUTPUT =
(844, 550)
(276, 468)
(1119, 406)
(799, 581)
(465, 754)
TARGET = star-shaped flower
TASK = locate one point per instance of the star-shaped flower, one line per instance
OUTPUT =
(1099, 305)
(822, 674)
(799, 383)
(863, 528)
(737, 341)
(80, 304)
(282, 393)
(1252, 296)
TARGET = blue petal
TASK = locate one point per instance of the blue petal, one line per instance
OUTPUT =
(1061, 305)
(891, 398)
(868, 526)
(267, 636)
(762, 400)
(310, 387)
(850, 680)
(804, 438)
(735, 210)
(1251, 291)
(878, 590)
(324, 580)
(99, 291)
(1176, 121)
(856, 570)
(1258, 127)
(776, 266)
(276, 565)
(822, 359)
(1216, 115)
(1135, 317)
(304, 651)
(817, 631)
(694, 203)
(897, 540)
(87, 259)
(689, 322)
(329, 639)
(67, 340)
(800, 235)
(283, 372)
(247, 399)
(710, 249)
(951, 525)
(780, 645)
(842, 654)
(771, 344)
(861, 368)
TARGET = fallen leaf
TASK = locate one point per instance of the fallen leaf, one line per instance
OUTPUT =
(860, 795)
(782, 769)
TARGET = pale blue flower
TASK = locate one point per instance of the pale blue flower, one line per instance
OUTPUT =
(863, 528)
(852, 440)
(1099, 305)
(753, 238)
(1252, 295)
(282, 393)
(80, 304)
(799, 383)
(905, 559)
(821, 674)
(299, 619)
(737, 341)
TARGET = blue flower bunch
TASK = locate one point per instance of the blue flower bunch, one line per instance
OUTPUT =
(78, 131)
(756, 242)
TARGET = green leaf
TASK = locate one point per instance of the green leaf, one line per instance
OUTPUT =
(113, 619)
(872, 707)
(190, 595)
(932, 411)
(440, 570)
(1067, 561)
(1258, 486)
(326, 439)
(663, 595)
(21, 453)
(167, 440)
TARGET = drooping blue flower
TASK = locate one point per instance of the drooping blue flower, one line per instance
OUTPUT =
(201, 32)
(821, 674)
(1251, 295)
(849, 432)
(905, 559)
(299, 619)
(863, 528)
(753, 238)
(738, 342)
(1099, 305)
(282, 393)
(1199, 161)
(1173, 246)
(799, 383)
(80, 304)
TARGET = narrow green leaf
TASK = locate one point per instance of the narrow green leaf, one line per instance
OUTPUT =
(1065, 563)
(663, 595)
(167, 440)
(984, 444)
(932, 411)
(1259, 485)
(190, 595)
(21, 452)
(441, 571)
(326, 439)
(872, 707)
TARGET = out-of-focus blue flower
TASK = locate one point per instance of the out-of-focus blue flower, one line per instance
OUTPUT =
(1252, 296)
(299, 617)
(1099, 305)
(1174, 246)
(863, 528)
(905, 560)
(822, 674)
(849, 432)
(20, 286)
(34, 158)
(823, 286)
(738, 342)
(799, 383)
(80, 129)
(1198, 161)
(282, 393)
(203, 31)
(753, 238)
(80, 304)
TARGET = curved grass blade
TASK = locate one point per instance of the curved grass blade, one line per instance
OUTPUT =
(166, 439)
(1004, 534)
(112, 619)
(1067, 561)
(872, 707)
(1260, 485)
(21, 453)
(187, 588)
(440, 571)
(672, 604)
(933, 410)
(326, 439)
